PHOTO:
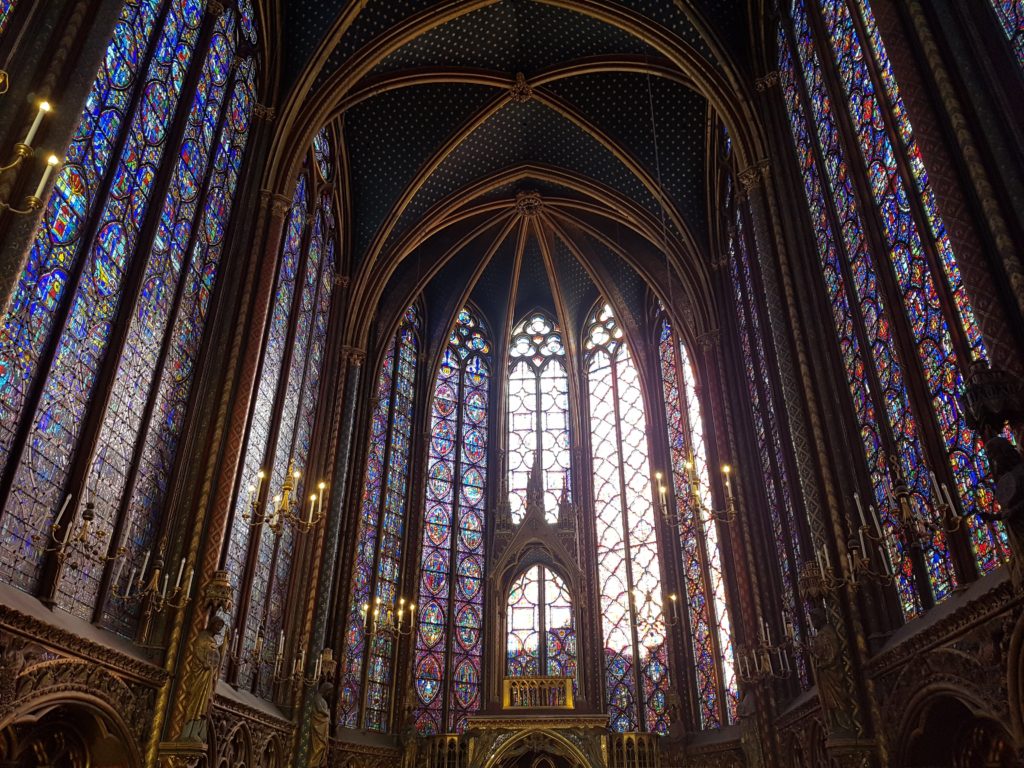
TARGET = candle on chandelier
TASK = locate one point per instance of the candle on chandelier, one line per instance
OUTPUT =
(51, 163)
(145, 562)
(312, 506)
(181, 572)
(860, 535)
(188, 586)
(117, 573)
(860, 509)
(875, 519)
(44, 107)
(67, 500)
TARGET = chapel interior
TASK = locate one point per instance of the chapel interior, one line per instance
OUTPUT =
(511, 383)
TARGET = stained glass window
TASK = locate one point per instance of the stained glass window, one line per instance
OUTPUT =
(322, 153)
(1011, 18)
(6, 9)
(90, 269)
(538, 414)
(768, 434)
(632, 603)
(382, 512)
(541, 632)
(930, 298)
(704, 600)
(448, 641)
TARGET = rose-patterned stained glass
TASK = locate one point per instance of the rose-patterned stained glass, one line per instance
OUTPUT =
(271, 571)
(704, 601)
(40, 472)
(862, 309)
(248, 20)
(163, 431)
(538, 414)
(322, 153)
(540, 631)
(113, 456)
(919, 285)
(767, 432)
(266, 393)
(447, 666)
(384, 481)
(633, 628)
(1011, 19)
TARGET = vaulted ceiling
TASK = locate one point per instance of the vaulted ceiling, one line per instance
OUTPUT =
(520, 153)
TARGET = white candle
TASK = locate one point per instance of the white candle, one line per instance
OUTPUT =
(821, 567)
(767, 632)
(67, 500)
(44, 107)
(935, 486)
(167, 579)
(874, 519)
(131, 581)
(860, 509)
(863, 548)
(188, 587)
(41, 187)
(117, 573)
(312, 505)
(949, 499)
(853, 573)
(280, 642)
(181, 572)
(885, 561)
(145, 562)
(828, 560)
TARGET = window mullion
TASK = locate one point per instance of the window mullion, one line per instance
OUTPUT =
(453, 546)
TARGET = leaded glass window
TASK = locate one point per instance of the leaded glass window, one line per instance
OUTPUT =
(259, 554)
(382, 527)
(631, 601)
(1011, 19)
(447, 668)
(768, 432)
(910, 279)
(538, 414)
(704, 599)
(6, 10)
(541, 630)
(90, 270)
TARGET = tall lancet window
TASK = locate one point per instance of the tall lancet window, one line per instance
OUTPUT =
(704, 600)
(633, 626)
(538, 414)
(99, 346)
(541, 632)
(448, 641)
(259, 551)
(1011, 18)
(906, 284)
(382, 516)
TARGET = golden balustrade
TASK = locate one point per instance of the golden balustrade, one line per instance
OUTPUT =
(538, 693)
(444, 751)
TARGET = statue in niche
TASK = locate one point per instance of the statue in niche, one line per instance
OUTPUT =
(199, 679)
(321, 726)
(829, 676)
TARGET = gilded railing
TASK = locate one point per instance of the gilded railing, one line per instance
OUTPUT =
(634, 750)
(444, 751)
(538, 693)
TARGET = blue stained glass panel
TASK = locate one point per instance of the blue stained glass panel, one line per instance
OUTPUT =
(38, 485)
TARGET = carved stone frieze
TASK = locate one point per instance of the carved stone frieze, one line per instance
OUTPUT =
(767, 82)
(347, 755)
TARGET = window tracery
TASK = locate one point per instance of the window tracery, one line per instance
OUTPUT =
(541, 635)
(538, 414)
(631, 599)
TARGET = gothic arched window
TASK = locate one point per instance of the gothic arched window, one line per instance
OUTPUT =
(260, 545)
(538, 413)
(705, 605)
(1011, 18)
(382, 530)
(448, 641)
(99, 410)
(541, 631)
(633, 626)
(907, 283)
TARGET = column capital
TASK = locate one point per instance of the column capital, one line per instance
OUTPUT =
(263, 112)
(766, 82)
(752, 176)
(355, 357)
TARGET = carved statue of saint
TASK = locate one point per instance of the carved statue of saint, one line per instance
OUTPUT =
(321, 727)
(829, 676)
(201, 672)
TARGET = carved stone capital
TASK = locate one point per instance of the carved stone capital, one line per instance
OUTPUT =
(750, 178)
(279, 204)
(521, 92)
(182, 754)
(215, 8)
(767, 82)
(263, 112)
(355, 357)
(709, 338)
(342, 281)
